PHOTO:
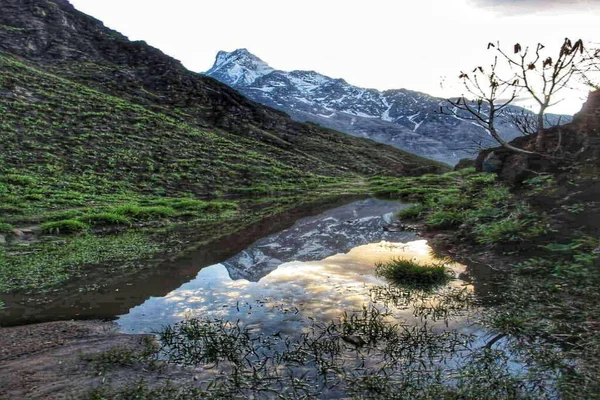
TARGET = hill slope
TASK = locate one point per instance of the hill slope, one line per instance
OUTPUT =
(402, 118)
(79, 99)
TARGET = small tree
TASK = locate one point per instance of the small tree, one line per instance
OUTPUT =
(543, 77)
(488, 94)
(488, 98)
(590, 71)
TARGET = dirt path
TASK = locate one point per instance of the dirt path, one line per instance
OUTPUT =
(48, 361)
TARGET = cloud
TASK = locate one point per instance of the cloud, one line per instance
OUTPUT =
(517, 7)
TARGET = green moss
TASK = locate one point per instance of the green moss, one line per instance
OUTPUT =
(142, 213)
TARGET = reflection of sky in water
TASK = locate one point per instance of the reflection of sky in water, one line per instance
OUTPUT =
(284, 300)
(315, 238)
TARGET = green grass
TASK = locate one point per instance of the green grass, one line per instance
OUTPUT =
(105, 218)
(409, 272)
(121, 151)
(66, 226)
(48, 264)
(413, 212)
(549, 301)
(5, 228)
(142, 213)
(444, 219)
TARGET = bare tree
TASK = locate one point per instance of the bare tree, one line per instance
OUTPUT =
(527, 122)
(486, 97)
(543, 77)
(590, 71)
(532, 73)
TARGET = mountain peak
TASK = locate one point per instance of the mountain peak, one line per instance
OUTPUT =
(238, 67)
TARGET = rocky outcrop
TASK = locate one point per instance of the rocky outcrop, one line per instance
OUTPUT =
(576, 144)
(573, 158)
(464, 163)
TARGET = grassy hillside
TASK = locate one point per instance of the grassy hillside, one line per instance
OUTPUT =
(67, 137)
(100, 135)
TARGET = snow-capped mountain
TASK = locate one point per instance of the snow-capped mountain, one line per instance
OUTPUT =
(316, 238)
(402, 118)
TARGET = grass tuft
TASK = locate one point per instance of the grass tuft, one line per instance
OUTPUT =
(404, 271)
(105, 218)
(5, 228)
(414, 212)
(138, 212)
(64, 226)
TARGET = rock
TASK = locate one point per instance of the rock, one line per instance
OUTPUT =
(464, 163)
(492, 163)
(395, 226)
(354, 339)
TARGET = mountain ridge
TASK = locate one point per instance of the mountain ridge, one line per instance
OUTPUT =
(404, 118)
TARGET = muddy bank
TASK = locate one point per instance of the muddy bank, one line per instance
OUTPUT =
(60, 360)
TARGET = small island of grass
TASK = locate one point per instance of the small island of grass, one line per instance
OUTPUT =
(409, 272)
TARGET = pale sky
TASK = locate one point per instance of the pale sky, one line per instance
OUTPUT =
(381, 44)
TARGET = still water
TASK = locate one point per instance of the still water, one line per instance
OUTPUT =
(316, 270)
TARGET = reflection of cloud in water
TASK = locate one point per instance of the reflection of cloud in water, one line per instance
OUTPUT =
(316, 238)
(284, 299)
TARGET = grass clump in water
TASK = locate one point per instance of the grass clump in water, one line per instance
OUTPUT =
(404, 271)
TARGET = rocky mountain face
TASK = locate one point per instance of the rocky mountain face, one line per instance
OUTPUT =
(318, 237)
(173, 119)
(402, 118)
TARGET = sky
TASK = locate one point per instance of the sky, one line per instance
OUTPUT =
(420, 45)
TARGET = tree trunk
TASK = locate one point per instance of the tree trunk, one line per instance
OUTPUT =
(541, 134)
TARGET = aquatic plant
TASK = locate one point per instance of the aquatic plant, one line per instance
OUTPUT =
(409, 272)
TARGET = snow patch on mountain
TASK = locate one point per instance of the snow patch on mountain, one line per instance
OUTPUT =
(402, 118)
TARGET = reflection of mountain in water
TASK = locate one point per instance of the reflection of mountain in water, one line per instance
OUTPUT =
(316, 238)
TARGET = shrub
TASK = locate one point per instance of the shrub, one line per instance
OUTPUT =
(64, 226)
(404, 271)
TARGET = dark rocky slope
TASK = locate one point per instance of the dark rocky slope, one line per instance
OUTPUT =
(571, 154)
(150, 103)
